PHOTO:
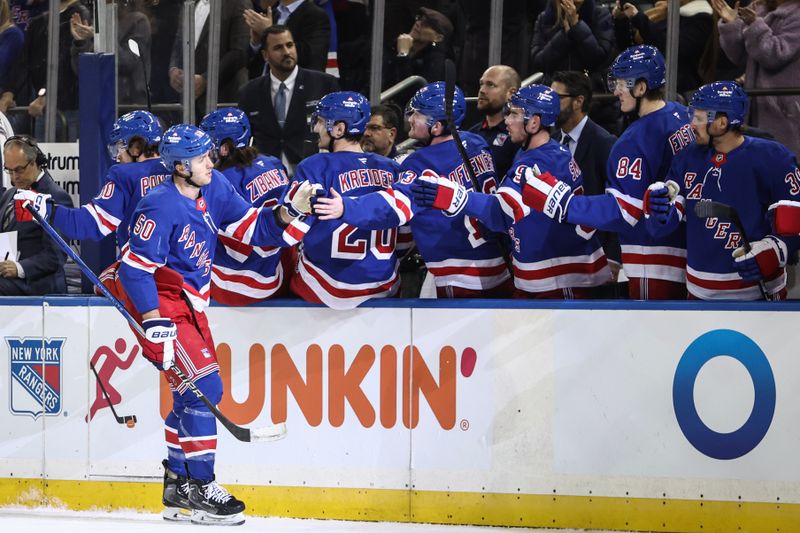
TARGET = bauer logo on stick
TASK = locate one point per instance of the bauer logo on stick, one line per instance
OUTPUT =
(35, 375)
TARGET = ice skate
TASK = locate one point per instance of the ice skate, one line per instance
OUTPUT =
(212, 504)
(176, 496)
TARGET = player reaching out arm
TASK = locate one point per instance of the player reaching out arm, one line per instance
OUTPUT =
(756, 178)
(465, 259)
(242, 274)
(641, 156)
(550, 259)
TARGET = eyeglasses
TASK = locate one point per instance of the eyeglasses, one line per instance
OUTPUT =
(17, 170)
(375, 128)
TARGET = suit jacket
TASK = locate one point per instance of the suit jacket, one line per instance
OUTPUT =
(591, 154)
(41, 258)
(311, 31)
(234, 37)
(255, 100)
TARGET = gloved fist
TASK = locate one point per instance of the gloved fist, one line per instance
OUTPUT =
(659, 200)
(431, 190)
(42, 203)
(545, 193)
(301, 197)
(162, 331)
(763, 260)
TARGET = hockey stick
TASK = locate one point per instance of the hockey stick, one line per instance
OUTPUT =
(449, 95)
(710, 208)
(128, 420)
(265, 434)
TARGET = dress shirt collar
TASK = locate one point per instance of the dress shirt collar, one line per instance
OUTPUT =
(289, 82)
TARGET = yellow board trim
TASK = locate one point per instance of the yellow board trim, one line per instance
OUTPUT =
(522, 510)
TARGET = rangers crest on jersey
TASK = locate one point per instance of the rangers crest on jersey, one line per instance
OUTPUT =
(35, 375)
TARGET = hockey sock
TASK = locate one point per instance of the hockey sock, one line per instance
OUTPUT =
(176, 460)
(197, 431)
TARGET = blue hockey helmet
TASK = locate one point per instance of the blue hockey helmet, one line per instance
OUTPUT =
(722, 96)
(537, 100)
(349, 107)
(636, 63)
(430, 101)
(138, 123)
(182, 143)
(227, 123)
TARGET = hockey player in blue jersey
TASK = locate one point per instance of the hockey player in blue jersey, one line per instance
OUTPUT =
(656, 267)
(164, 280)
(465, 260)
(134, 140)
(758, 178)
(550, 259)
(341, 265)
(243, 274)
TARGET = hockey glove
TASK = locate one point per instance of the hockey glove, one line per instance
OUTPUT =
(300, 198)
(659, 200)
(545, 193)
(162, 331)
(43, 203)
(763, 261)
(430, 190)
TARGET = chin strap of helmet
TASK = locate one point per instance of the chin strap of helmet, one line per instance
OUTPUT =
(187, 177)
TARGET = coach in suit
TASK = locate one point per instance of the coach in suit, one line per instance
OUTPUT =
(40, 267)
(233, 38)
(590, 145)
(279, 102)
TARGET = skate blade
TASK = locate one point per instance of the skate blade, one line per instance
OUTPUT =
(176, 514)
(208, 519)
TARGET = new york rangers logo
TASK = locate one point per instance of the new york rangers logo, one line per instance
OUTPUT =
(35, 375)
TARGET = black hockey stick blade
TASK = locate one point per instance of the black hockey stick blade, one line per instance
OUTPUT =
(268, 433)
(128, 420)
(449, 96)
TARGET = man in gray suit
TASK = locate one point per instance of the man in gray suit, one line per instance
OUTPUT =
(39, 269)
(590, 145)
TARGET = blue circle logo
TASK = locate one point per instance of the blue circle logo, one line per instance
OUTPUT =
(746, 351)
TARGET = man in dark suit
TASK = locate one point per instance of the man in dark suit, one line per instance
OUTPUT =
(39, 269)
(232, 53)
(278, 103)
(308, 23)
(590, 145)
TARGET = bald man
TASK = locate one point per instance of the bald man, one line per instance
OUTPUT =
(497, 85)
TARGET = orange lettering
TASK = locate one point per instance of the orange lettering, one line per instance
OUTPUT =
(346, 385)
(307, 393)
(247, 411)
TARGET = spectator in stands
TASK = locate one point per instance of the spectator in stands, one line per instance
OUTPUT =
(381, 131)
(497, 85)
(29, 78)
(573, 35)
(767, 38)
(39, 267)
(309, 26)
(11, 40)
(422, 51)
(278, 103)
(590, 146)
(232, 52)
(23, 11)
(631, 26)
(133, 24)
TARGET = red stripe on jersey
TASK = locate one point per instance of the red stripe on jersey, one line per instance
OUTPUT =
(519, 214)
(103, 220)
(468, 271)
(194, 446)
(717, 285)
(399, 205)
(631, 209)
(245, 225)
(136, 259)
(244, 279)
(294, 232)
(188, 288)
(347, 293)
(171, 437)
(654, 259)
(560, 270)
(233, 244)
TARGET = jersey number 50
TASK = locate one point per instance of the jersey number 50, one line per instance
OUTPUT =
(345, 245)
(144, 227)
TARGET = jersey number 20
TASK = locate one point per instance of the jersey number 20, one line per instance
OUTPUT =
(344, 245)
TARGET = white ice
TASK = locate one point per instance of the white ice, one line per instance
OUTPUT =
(37, 520)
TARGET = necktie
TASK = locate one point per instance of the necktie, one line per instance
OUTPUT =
(566, 139)
(280, 104)
(8, 214)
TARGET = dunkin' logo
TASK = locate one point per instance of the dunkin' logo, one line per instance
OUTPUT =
(329, 375)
